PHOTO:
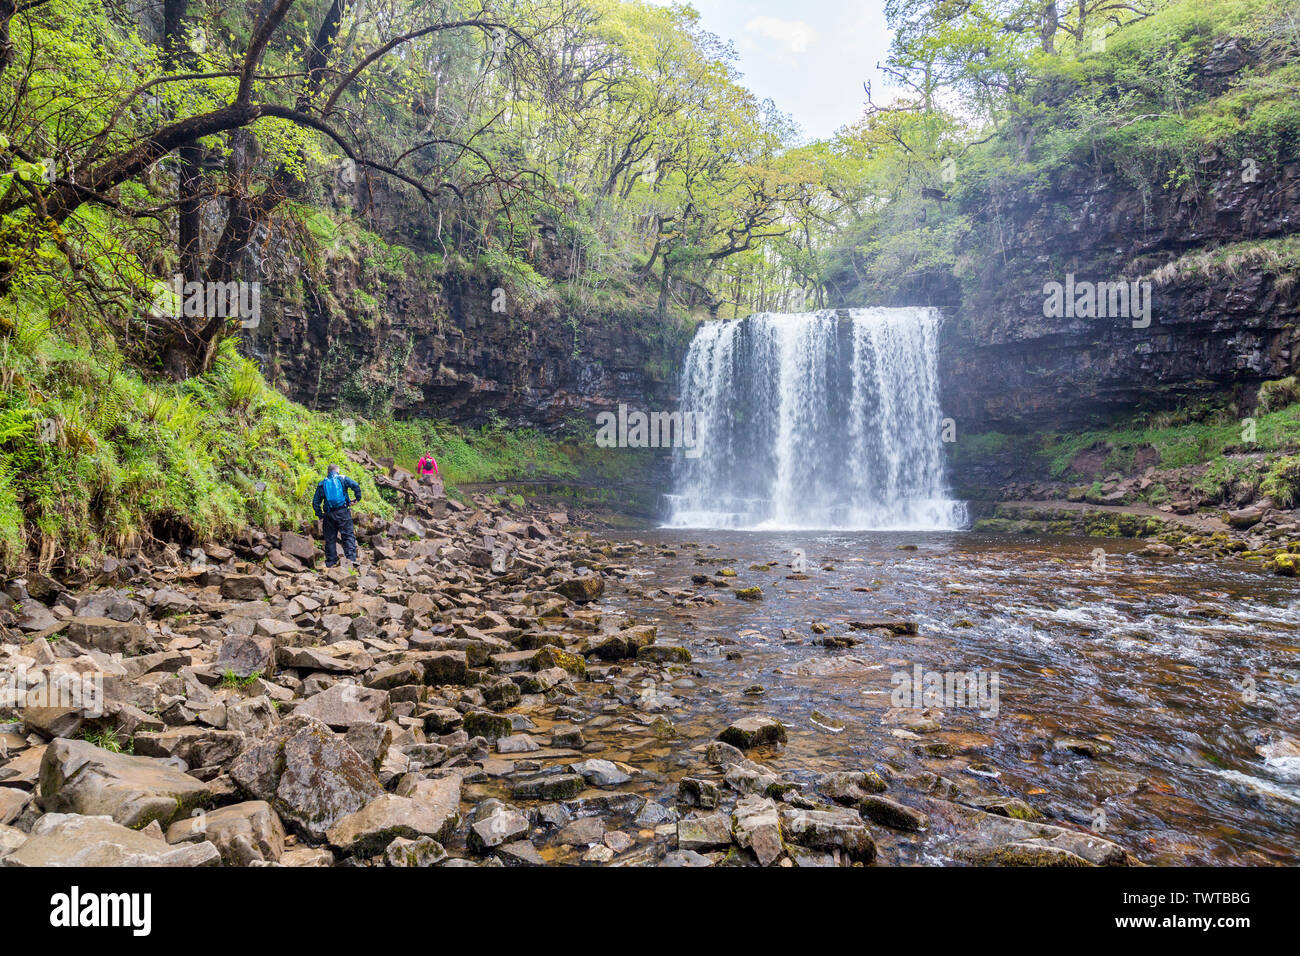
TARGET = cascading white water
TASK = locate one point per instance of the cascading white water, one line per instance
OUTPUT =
(817, 420)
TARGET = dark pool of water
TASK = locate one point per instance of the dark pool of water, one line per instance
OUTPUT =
(1179, 668)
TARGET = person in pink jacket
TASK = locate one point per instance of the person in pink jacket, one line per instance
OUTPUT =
(428, 466)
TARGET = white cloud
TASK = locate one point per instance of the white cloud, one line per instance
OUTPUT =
(795, 35)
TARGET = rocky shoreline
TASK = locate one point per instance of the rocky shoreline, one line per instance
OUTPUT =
(460, 698)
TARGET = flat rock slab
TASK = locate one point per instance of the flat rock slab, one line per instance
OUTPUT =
(754, 732)
(78, 777)
(344, 705)
(970, 834)
(711, 832)
(69, 839)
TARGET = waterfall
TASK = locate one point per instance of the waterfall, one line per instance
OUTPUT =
(817, 420)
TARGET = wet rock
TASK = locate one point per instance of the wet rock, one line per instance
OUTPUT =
(754, 732)
(598, 854)
(697, 792)
(973, 833)
(78, 777)
(841, 830)
(685, 858)
(1081, 746)
(663, 654)
(486, 725)
(711, 832)
(243, 833)
(601, 773)
(558, 786)
(582, 832)
(1006, 807)
(310, 776)
(568, 736)
(62, 839)
(495, 824)
(891, 813)
(893, 627)
(654, 814)
(1035, 853)
(550, 656)
(754, 593)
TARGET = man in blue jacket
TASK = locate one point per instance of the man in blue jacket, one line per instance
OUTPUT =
(333, 506)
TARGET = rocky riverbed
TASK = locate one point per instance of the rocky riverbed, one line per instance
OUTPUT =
(491, 686)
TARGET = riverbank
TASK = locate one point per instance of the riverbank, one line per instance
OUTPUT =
(495, 687)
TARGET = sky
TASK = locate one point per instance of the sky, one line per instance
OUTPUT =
(810, 56)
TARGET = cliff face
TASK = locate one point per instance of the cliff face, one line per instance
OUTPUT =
(1222, 315)
(402, 339)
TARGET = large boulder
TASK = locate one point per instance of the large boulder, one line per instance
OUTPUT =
(78, 777)
(69, 839)
(245, 833)
(244, 587)
(582, 588)
(842, 830)
(756, 825)
(309, 775)
(111, 637)
(387, 817)
(246, 654)
(298, 546)
(196, 746)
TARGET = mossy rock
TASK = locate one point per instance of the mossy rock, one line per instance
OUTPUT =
(664, 654)
(551, 656)
(480, 723)
(754, 593)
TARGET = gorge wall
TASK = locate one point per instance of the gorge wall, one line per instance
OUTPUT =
(1223, 311)
(386, 331)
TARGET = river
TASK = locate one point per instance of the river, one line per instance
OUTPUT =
(1170, 675)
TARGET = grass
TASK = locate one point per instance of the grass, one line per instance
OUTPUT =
(1253, 452)
(493, 452)
(231, 679)
(1180, 438)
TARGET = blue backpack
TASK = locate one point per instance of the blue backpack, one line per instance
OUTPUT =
(336, 496)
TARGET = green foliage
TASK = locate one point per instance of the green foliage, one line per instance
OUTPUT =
(1279, 394)
(95, 457)
(1282, 482)
(492, 452)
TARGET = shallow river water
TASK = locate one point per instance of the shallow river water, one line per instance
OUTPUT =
(1172, 670)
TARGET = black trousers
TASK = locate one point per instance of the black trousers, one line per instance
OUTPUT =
(336, 524)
